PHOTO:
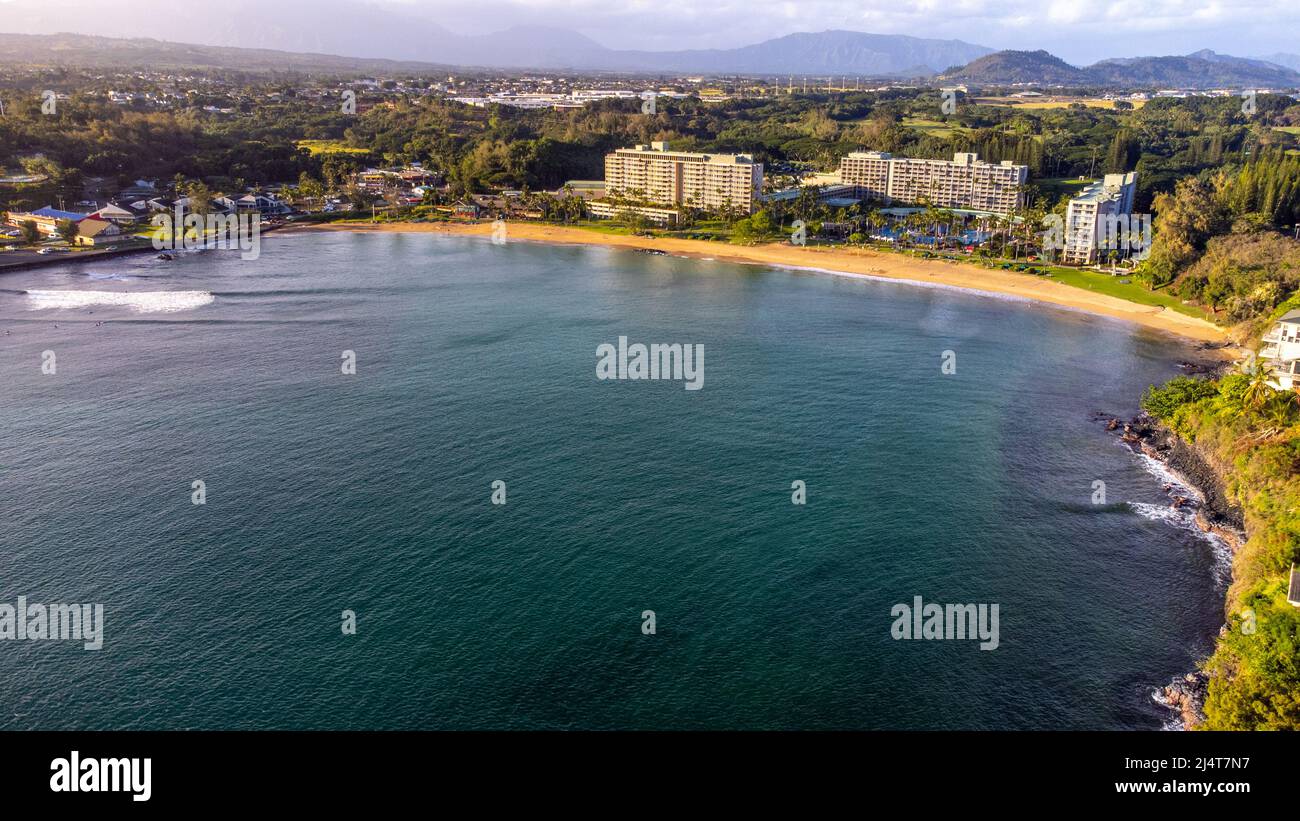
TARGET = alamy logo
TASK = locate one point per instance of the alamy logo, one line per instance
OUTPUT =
(53, 622)
(216, 231)
(1130, 233)
(655, 361)
(1126, 232)
(949, 104)
(951, 621)
(77, 774)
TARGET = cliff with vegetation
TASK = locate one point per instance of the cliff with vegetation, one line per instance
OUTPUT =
(1248, 434)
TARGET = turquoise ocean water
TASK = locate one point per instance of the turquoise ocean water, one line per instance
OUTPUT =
(477, 362)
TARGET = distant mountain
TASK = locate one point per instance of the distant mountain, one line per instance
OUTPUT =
(1011, 67)
(827, 52)
(284, 27)
(1291, 61)
(107, 52)
(1202, 69)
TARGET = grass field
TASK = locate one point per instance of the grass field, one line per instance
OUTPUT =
(1130, 290)
(329, 147)
(932, 127)
(1049, 102)
(1053, 187)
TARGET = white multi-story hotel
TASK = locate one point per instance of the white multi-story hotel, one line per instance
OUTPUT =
(664, 178)
(1098, 215)
(1281, 352)
(965, 181)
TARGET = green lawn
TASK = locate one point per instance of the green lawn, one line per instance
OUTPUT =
(934, 128)
(1054, 187)
(329, 147)
(1133, 291)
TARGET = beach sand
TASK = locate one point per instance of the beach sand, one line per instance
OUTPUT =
(839, 260)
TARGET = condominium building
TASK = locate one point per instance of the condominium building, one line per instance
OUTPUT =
(1099, 216)
(965, 181)
(653, 174)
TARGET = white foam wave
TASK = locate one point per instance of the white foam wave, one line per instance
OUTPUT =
(1185, 519)
(1174, 724)
(145, 302)
(1166, 475)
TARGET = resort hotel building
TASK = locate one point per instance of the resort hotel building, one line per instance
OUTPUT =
(1097, 216)
(662, 181)
(965, 181)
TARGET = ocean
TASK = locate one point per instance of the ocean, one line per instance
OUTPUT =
(946, 441)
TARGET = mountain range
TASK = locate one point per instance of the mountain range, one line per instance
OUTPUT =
(357, 29)
(1201, 69)
(426, 47)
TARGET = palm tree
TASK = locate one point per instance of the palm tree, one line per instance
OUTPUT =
(1258, 392)
(1280, 409)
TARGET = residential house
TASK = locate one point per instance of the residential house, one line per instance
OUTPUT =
(94, 232)
(114, 213)
(264, 204)
(1280, 353)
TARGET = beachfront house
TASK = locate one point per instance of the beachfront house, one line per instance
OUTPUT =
(265, 204)
(1280, 353)
(112, 212)
(97, 232)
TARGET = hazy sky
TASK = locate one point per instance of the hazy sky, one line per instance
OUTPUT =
(1081, 31)
(1078, 30)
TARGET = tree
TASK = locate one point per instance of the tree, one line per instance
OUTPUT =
(68, 230)
(200, 197)
(309, 187)
(1257, 393)
(30, 233)
(1184, 220)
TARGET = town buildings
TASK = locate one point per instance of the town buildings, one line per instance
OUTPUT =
(46, 219)
(965, 181)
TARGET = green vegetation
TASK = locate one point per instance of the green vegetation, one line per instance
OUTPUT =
(1124, 288)
(319, 147)
(933, 128)
(1215, 237)
(1251, 434)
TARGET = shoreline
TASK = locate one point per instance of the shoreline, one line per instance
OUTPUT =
(1214, 515)
(850, 262)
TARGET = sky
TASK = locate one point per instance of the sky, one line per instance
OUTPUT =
(1080, 31)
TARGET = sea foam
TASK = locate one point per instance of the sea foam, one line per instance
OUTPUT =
(164, 302)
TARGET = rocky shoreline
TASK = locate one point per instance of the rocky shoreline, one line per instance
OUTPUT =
(1214, 513)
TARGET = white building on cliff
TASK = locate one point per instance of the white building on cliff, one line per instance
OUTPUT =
(1281, 352)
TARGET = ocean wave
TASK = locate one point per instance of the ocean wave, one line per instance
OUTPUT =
(145, 302)
(1178, 485)
(1174, 724)
(1184, 518)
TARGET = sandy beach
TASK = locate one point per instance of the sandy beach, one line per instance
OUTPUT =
(840, 260)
